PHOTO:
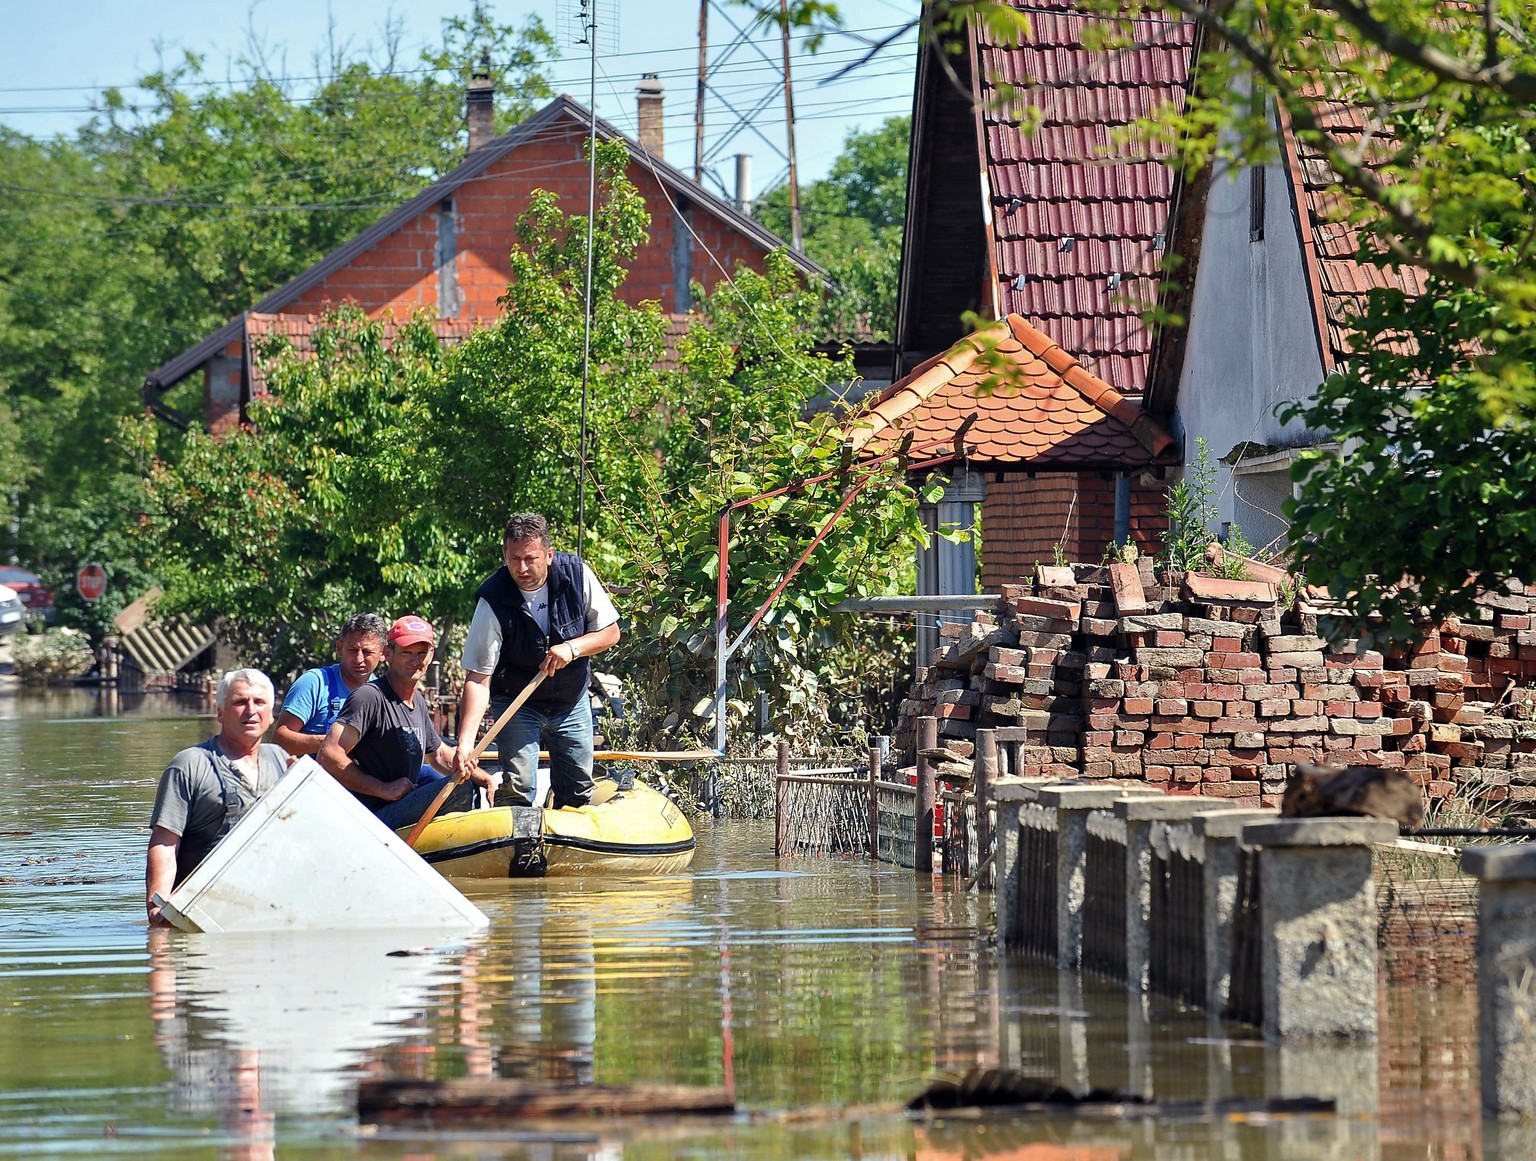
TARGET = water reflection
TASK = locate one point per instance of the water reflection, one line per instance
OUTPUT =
(826, 993)
(253, 1026)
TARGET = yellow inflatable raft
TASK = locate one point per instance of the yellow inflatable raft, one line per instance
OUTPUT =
(625, 830)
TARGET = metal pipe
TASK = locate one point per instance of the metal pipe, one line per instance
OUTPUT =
(915, 604)
(1122, 509)
(744, 182)
(780, 794)
(724, 647)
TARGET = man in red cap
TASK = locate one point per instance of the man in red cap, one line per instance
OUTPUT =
(384, 734)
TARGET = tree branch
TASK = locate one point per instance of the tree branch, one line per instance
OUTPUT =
(1501, 77)
(1353, 174)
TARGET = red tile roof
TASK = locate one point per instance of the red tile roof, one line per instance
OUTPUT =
(1078, 221)
(1336, 278)
(1035, 407)
(299, 331)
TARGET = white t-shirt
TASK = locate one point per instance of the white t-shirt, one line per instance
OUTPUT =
(482, 648)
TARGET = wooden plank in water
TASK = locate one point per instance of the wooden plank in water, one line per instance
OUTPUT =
(505, 1100)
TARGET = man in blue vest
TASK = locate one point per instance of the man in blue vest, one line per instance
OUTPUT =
(542, 612)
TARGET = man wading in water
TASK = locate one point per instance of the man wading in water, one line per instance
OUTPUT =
(206, 788)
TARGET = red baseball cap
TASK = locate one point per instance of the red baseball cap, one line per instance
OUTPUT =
(411, 631)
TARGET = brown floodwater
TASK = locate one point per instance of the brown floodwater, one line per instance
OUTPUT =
(825, 993)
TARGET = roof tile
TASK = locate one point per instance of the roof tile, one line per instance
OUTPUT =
(1035, 407)
(1075, 176)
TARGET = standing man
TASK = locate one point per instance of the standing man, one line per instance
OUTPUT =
(207, 788)
(384, 733)
(542, 612)
(316, 698)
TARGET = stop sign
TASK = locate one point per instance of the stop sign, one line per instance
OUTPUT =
(91, 582)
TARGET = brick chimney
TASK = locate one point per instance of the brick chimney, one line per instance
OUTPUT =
(648, 101)
(480, 107)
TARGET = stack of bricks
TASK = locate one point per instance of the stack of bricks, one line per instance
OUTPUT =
(1215, 689)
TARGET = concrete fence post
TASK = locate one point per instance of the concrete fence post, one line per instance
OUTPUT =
(985, 775)
(1218, 834)
(1138, 815)
(1010, 794)
(1318, 924)
(1506, 967)
(1072, 804)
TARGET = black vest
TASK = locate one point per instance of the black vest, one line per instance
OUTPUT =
(523, 646)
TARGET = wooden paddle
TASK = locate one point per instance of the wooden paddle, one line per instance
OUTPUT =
(451, 784)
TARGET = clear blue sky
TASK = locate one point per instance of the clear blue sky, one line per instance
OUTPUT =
(56, 57)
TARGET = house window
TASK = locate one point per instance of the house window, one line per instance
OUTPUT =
(1256, 181)
(448, 300)
(682, 258)
(946, 568)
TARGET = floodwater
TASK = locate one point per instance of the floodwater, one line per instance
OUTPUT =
(825, 993)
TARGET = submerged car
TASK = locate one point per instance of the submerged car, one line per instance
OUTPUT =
(13, 614)
(29, 586)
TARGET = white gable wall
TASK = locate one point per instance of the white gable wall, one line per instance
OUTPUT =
(1252, 345)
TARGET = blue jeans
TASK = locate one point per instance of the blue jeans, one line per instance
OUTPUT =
(405, 811)
(567, 736)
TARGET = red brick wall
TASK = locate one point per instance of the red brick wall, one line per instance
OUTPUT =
(1023, 519)
(1223, 697)
(399, 273)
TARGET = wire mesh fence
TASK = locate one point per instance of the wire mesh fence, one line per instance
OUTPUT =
(1426, 915)
(824, 816)
(1245, 999)
(1036, 895)
(1177, 949)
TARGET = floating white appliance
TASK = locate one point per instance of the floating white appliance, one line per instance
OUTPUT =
(309, 856)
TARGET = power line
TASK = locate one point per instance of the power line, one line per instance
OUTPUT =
(327, 78)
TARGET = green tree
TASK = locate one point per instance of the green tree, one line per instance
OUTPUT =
(157, 223)
(851, 222)
(380, 478)
(1428, 478)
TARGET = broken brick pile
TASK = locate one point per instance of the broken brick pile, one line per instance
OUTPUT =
(1216, 688)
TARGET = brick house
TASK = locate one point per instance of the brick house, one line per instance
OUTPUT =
(1054, 233)
(446, 250)
(1023, 202)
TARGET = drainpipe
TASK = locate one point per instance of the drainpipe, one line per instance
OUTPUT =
(1122, 509)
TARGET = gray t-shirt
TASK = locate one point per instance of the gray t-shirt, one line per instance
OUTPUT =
(482, 647)
(190, 800)
(394, 738)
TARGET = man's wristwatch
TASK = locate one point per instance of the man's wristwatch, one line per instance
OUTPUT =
(575, 652)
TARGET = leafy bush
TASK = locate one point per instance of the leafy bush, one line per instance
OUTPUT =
(59, 654)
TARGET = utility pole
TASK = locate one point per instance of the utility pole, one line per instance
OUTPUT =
(789, 131)
(698, 101)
